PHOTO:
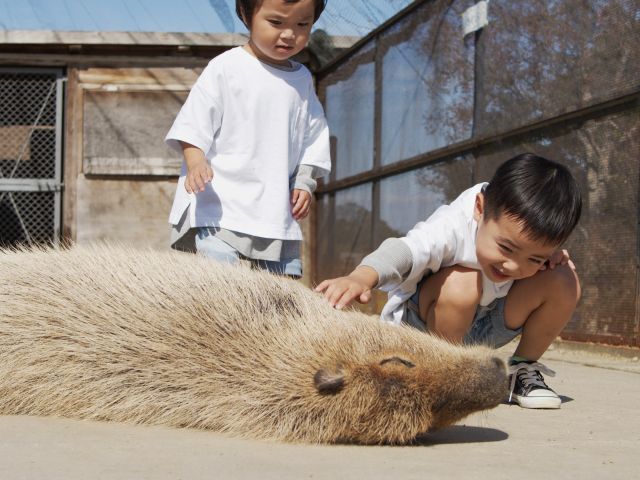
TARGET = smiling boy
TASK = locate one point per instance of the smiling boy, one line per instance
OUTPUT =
(485, 269)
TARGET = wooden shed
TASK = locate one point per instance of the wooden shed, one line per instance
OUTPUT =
(108, 99)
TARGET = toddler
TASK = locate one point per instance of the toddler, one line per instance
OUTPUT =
(254, 138)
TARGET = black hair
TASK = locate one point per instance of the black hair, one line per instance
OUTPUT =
(539, 193)
(246, 8)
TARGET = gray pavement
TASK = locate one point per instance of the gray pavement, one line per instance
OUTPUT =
(595, 435)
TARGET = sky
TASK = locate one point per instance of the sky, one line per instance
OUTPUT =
(341, 17)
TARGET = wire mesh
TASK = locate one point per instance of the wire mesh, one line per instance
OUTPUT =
(26, 218)
(28, 128)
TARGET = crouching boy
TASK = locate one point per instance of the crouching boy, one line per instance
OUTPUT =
(485, 269)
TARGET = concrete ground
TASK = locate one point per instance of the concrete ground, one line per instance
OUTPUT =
(595, 435)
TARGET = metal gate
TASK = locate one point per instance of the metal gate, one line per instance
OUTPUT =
(30, 156)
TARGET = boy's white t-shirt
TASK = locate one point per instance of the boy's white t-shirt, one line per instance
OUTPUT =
(255, 123)
(446, 238)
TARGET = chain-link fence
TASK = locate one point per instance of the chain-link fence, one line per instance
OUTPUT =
(419, 112)
(30, 156)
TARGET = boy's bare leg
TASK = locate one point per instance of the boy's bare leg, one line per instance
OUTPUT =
(542, 305)
(448, 301)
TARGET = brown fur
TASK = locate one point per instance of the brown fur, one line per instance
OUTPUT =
(109, 333)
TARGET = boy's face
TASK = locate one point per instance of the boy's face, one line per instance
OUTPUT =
(503, 250)
(279, 30)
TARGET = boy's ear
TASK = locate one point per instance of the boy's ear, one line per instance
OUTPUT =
(478, 209)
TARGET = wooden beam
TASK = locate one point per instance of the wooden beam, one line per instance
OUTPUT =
(72, 159)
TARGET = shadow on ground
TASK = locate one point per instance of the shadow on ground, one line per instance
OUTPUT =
(462, 434)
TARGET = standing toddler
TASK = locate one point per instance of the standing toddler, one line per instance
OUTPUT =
(254, 138)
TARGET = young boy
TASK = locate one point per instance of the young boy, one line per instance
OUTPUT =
(485, 269)
(254, 138)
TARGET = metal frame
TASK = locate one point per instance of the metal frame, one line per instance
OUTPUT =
(572, 115)
(57, 221)
(625, 100)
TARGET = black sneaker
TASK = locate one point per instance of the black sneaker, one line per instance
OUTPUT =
(528, 388)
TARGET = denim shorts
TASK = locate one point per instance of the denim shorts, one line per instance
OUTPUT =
(216, 249)
(488, 326)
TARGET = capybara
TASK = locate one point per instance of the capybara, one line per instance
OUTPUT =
(111, 333)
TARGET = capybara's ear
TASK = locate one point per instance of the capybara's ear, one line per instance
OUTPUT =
(397, 361)
(328, 382)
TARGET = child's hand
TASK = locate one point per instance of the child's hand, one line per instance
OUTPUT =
(341, 291)
(199, 171)
(300, 203)
(559, 257)
(198, 175)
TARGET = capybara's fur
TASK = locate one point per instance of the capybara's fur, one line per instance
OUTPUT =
(110, 333)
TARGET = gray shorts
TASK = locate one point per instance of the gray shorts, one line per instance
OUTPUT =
(488, 326)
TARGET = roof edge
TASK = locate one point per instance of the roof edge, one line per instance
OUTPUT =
(61, 37)
(35, 37)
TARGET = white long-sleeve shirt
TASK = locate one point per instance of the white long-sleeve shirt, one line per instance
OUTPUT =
(446, 238)
(256, 124)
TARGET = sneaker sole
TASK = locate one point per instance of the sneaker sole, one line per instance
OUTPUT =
(538, 402)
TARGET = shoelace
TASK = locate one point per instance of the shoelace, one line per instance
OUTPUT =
(530, 376)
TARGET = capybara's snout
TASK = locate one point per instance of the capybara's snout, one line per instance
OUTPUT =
(498, 363)
(499, 371)
(492, 379)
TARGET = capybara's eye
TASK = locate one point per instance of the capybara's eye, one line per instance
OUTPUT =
(397, 361)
